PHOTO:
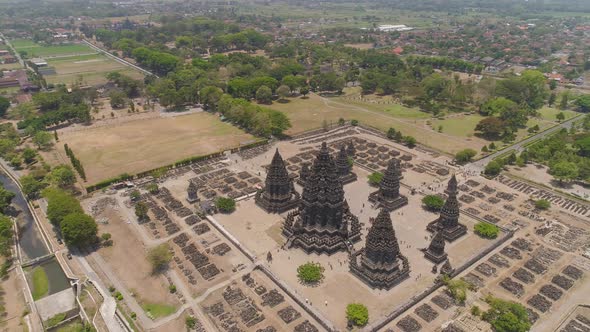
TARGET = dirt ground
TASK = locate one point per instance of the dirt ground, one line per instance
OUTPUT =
(137, 146)
(14, 303)
(139, 279)
(539, 174)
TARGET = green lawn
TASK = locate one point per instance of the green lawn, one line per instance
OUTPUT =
(23, 43)
(549, 113)
(40, 283)
(461, 125)
(72, 326)
(158, 310)
(84, 57)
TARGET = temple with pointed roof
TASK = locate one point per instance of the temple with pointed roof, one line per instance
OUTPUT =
(345, 167)
(323, 224)
(388, 195)
(380, 263)
(448, 221)
(436, 250)
(278, 194)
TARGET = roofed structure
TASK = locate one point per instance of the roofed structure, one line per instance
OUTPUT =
(388, 195)
(448, 221)
(380, 264)
(436, 250)
(278, 194)
(323, 223)
(345, 167)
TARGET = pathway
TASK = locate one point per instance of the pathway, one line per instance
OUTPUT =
(116, 58)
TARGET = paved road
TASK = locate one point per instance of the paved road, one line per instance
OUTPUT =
(116, 58)
(479, 165)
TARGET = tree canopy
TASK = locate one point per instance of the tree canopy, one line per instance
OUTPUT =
(79, 229)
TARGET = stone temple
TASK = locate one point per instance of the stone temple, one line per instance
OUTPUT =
(344, 167)
(380, 264)
(279, 194)
(436, 250)
(388, 195)
(448, 222)
(323, 223)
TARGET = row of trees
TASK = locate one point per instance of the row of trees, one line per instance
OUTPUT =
(75, 162)
(260, 121)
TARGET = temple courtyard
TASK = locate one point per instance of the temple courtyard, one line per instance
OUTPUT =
(238, 271)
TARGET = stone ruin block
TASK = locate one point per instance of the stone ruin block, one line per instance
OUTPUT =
(562, 282)
(547, 255)
(522, 244)
(478, 194)
(535, 266)
(473, 211)
(493, 200)
(259, 290)
(443, 300)
(486, 269)
(233, 295)
(426, 312)
(505, 196)
(289, 314)
(272, 298)
(452, 328)
(244, 175)
(540, 303)
(575, 326)
(511, 252)
(464, 188)
(551, 292)
(221, 249)
(201, 229)
(472, 183)
(491, 218)
(517, 289)
(583, 319)
(488, 190)
(181, 240)
(466, 198)
(306, 326)
(573, 272)
(524, 276)
(191, 220)
(474, 280)
(409, 324)
(533, 315)
(267, 329)
(209, 271)
(215, 309)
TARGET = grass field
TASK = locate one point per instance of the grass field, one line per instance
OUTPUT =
(158, 310)
(306, 114)
(10, 66)
(35, 50)
(459, 125)
(40, 283)
(549, 113)
(142, 145)
(92, 68)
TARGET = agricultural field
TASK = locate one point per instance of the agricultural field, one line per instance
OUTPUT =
(90, 69)
(142, 145)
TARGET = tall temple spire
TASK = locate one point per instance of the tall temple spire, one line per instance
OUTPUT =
(323, 223)
(278, 194)
(388, 195)
(436, 250)
(448, 221)
(344, 167)
(192, 192)
(380, 264)
(350, 150)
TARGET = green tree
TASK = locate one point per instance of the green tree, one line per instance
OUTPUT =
(304, 90)
(564, 170)
(457, 288)
(391, 133)
(118, 99)
(506, 316)
(63, 176)
(542, 204)
(433, 202)
(560, 116)
(310, 272)
(5, 198)
(409, 141)
(491, 127)
(6, 235)
(465, 156)
(225, 204)
(283, 91)
(43, 140)
(493, 168)
(4, 105)
(29, 155)
(264, 95)
(563, 103)
(357, 313)
(60, 204)
(141, 210)
(583, 103)
(31, 186)
(79, 229)
(486, 230)
(375, 178)
(159, 257)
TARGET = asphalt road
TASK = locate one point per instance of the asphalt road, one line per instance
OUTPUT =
(480, 164)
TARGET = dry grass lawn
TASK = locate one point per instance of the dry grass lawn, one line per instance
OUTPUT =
(92, 68)
(142, 145)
